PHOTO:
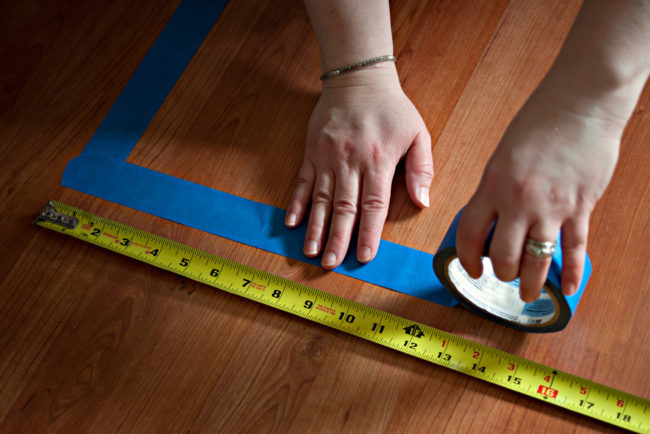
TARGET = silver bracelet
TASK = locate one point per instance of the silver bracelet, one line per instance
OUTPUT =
(357, 65)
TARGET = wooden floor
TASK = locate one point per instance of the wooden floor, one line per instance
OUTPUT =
(91, 341)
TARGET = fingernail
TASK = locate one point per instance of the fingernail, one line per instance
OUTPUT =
(570, 289)
(364, 254)
(423, 196)
(527, 298)
(311, 248)
(291, 219)
(329, 259)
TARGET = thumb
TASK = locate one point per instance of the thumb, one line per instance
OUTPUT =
(419, 169)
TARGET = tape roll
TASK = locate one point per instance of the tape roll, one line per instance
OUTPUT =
(499, 301)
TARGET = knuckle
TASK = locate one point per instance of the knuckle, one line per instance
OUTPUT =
(302, 182)
(563, 201)
(505, 263)
(423, 168)
(370, 231)
(315, 230)
(525, 190)
(328, 136)
(376, 153)
(345, 150)
(345, 206)
(338, 238)
(321, 196)
(586, 201)
(574, 250)
(373, 203)
(493, 175)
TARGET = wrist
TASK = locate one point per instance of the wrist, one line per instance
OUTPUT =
(589, 95)
(377, 76)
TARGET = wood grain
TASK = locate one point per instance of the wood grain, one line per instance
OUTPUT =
(94, 342)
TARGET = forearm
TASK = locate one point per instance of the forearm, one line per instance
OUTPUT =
(350, 31)
(605, 60)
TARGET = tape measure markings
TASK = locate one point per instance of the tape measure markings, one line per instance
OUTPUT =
(419, 340)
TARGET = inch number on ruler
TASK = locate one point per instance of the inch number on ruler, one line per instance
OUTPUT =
(418, 340)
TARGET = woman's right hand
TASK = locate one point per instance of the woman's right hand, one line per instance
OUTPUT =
(361, 127)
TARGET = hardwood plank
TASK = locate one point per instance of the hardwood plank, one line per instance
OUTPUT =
(62, 67)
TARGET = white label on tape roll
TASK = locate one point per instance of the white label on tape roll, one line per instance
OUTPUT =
(500, 298)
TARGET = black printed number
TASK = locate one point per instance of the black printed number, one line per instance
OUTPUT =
(125, 242)
(276, 294)
(184, 262)
(517, 380)
(308, 304)
(625, 417)
(96, 232)
(476, 367)
(412, 345)
(348, 318)
(587, 404)
(214, 272)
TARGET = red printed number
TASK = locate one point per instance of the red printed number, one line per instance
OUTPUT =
(583, 391)
(620, 403)
(547, 391)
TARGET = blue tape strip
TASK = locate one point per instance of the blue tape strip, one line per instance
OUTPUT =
(154, 79)
(396, 267)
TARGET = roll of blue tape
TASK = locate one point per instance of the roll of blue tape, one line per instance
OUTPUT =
(499, 301)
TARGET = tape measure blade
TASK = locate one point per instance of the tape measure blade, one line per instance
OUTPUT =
(418, 340)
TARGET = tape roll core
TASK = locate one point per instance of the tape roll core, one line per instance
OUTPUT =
(498, 300)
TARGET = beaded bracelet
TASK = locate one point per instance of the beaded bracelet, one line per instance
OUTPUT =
(357, 65)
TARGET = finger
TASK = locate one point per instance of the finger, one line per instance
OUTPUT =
(533, 270)
(344, 216)
(473, 228)
(419, 169)
(505, 248)
(301, 194)
(320, 213)
(375, 198)
(574, 246)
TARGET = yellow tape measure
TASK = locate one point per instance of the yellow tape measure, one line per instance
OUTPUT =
(480, 361)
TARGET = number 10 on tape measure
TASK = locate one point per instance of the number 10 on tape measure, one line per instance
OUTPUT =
(415, 339)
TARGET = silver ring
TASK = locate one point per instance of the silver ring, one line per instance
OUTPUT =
(539, 249)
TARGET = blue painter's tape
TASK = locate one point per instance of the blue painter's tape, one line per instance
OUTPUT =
(396, 267)
(154, 78)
